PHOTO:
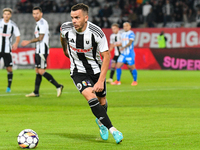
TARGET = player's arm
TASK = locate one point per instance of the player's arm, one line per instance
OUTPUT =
(127, 45)
(15, 45)
(104, 68)
(118, 44)
(26, 42)
(111, 47)
(99, 86)
(64, 45)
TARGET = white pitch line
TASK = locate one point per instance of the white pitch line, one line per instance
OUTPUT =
(113, 91)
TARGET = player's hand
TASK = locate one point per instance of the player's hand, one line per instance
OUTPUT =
(25, 42)
(121, 49)
(98, 87)
(14, 46)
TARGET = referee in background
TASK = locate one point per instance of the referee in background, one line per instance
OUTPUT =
(7, 29)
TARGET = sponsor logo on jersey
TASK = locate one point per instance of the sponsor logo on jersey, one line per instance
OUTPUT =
(125, 39)
(84, 83)
(88, 82)
(4, 34)
(81, 50)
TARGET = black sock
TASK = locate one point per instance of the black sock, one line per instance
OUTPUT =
(10, 76)
(50, 78)
(112, 72)
(38, 80)
(105, 106)
(100, 112)
(131, 71)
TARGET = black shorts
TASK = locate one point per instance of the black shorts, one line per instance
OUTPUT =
(7, 57)
(114, 60)
(40, 62)
(83, 81)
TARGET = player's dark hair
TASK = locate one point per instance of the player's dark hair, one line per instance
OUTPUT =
(37, 8)
(81, 6)
(115, 24)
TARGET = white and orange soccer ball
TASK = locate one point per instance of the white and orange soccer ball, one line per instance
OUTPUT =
(28, 139)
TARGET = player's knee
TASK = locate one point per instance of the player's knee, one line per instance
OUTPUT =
(88, 93)
(9, 69)
(41, 71)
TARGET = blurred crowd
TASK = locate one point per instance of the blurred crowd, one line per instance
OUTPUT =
(146, 12)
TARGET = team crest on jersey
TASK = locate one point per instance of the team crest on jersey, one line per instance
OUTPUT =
(79, 86)
(72, 41)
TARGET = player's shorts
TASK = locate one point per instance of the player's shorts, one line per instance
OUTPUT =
(126, 59)
(114, 60)
(83, 81)
(41, 62)
(7, 57)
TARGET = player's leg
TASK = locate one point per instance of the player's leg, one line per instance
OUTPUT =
(120, 62)
(8, 64)
(51, 79)
(38, 80)
(112, 69)
(10, 78)
(131, 63)
(100, 113)
(84, 84)
(48, 76)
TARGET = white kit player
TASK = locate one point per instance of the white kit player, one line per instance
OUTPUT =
(82, 42)
(7, 29)
(41, 52)
(115, 38)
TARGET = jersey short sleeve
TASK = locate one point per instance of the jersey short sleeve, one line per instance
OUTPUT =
(42, 27)
(16, 31)
(132, 36)
(103, 44)
(111, 39)
(65, 27)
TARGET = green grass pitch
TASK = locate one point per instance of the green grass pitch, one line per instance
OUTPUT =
(160, 113)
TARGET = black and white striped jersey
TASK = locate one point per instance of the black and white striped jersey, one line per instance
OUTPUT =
(6, 32)
(42, 27)
(116, 38)
(84, 47)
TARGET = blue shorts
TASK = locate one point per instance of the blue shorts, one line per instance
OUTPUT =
(127, 59)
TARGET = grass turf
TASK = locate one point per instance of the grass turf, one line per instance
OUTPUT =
(160, 113)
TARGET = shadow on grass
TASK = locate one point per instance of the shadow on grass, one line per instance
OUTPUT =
(83, 137)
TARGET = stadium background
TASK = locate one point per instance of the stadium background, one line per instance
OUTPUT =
(181, 31)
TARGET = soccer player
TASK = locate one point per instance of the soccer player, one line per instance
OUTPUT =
(115, 37)
(7, 29)
(42, 50)
(127, 55)
(82, 42)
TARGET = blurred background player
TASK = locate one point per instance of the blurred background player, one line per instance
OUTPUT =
(115, 38)
(127, 55)
(82, 42)
(7, 29)
(41, 52)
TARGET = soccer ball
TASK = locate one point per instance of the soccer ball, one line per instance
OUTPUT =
(28, 139)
